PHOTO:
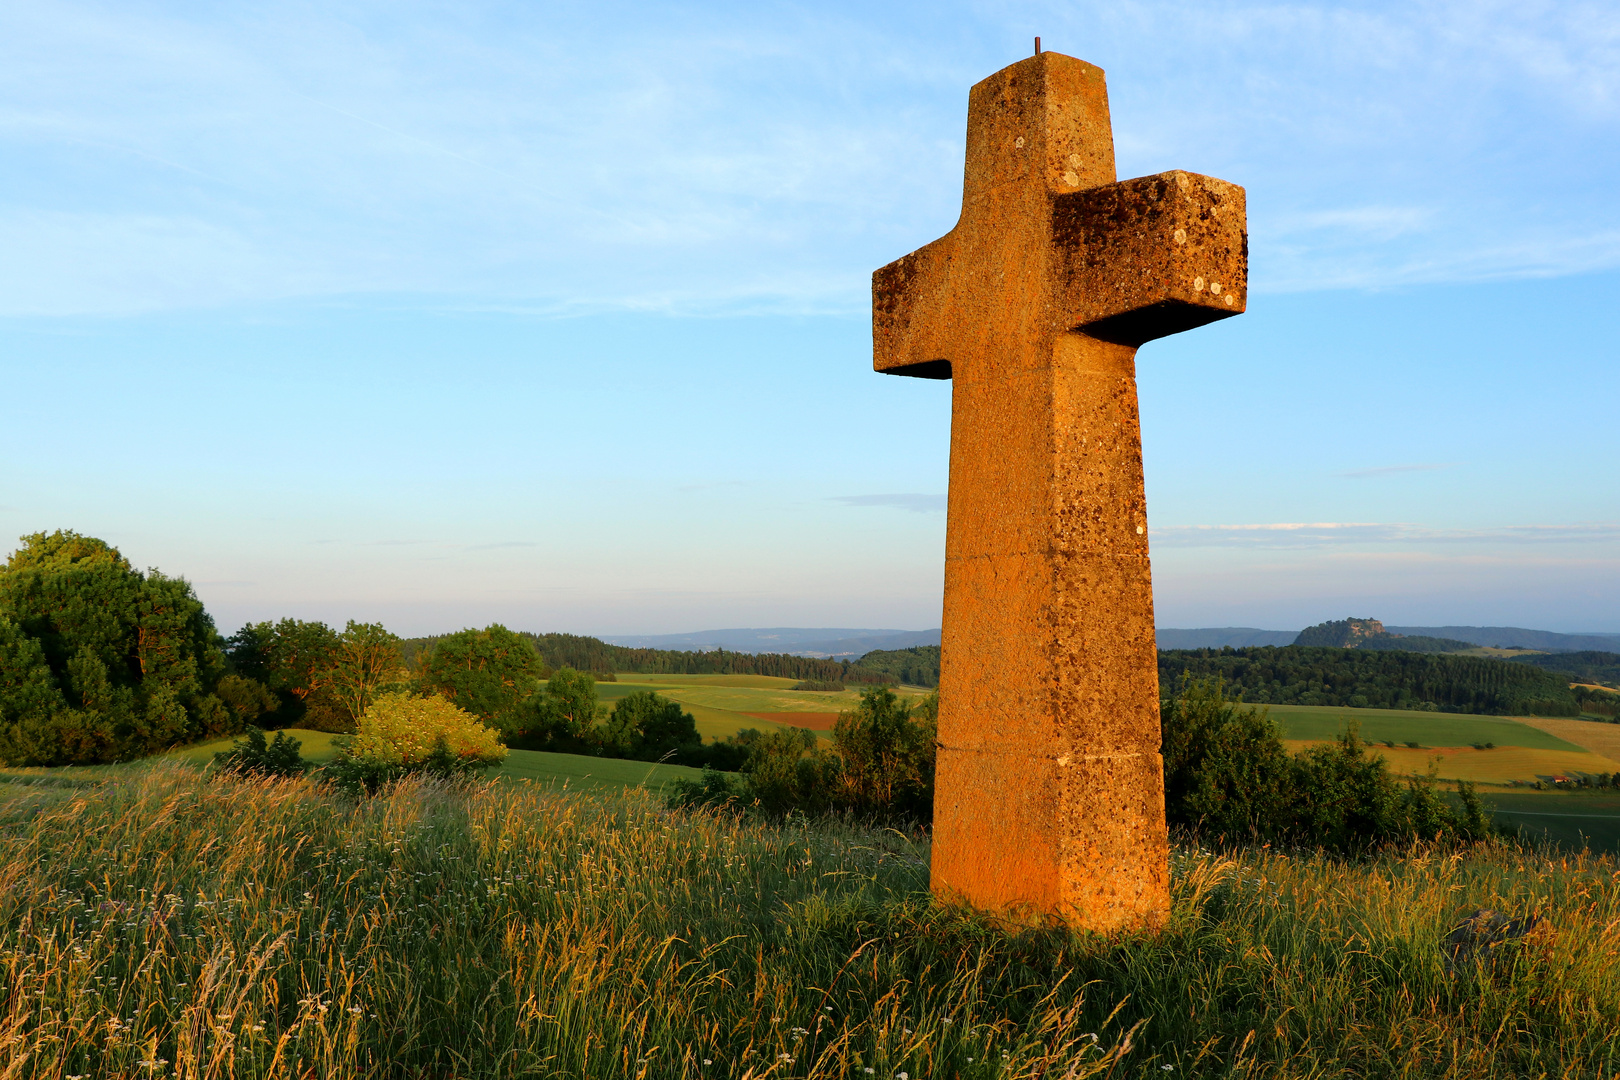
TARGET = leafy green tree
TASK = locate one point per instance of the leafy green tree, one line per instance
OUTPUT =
(492, 673)
(133, 657)
(649, 727)
(30, 699)
(248, 698)
(887, 756)
(880, 769)
(294, 660)
(572, 708)
(1226, 771)
(367, 657)
(1229, 778)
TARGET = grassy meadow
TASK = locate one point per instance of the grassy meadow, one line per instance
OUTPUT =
(155, 922)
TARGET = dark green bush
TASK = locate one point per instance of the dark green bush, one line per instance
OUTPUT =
(252, 755)
(649, 727)
(1229, 778)
(364, 775)
(880, 770)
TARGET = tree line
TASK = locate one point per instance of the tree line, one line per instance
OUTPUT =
(1602, 668)
(914, 667)
(1357, 678)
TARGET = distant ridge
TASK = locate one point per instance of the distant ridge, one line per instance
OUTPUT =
(1515, 637)
(840, 642)
(1236, 637)
(831, 642)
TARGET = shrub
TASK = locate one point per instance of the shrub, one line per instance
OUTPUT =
(1228, 777)
(401, 734)
(886, 756)
(820, 686)
(252, 755)
(649, 727)
(880, 770)
(1226, 772)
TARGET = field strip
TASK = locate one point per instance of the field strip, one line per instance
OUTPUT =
(815, 721)
(1601, 739)
(1552, 813)
(1500, 765)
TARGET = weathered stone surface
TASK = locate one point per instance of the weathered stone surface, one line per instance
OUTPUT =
(1050, 787)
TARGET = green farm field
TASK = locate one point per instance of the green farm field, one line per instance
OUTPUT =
(575, 771)
(1323, 723)
(1521, 752)
(1572, 820)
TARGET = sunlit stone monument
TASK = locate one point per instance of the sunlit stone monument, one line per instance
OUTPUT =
(1050, 786)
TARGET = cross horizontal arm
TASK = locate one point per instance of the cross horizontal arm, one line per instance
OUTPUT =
(898, 290)
(1141, 259)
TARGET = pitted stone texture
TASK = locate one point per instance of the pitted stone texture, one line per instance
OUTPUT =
(1050, 789)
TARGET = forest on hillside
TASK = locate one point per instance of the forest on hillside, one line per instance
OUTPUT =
(602, 660)
(1358, 678)
(1602, 668)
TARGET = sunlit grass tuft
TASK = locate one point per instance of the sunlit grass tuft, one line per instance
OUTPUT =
(157, 923)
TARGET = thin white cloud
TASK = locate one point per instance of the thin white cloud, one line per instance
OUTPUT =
(698, 159)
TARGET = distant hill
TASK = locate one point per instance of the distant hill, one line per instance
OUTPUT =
(1370, 634)
(829, 642)
(1342, 634)
(1223, 637)
(1516, 637)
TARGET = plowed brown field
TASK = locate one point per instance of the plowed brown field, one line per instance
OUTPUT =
(815, 721)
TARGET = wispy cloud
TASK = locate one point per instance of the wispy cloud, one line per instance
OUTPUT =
(1345, 533)
(1392, 470)
(181, 159)
(916, 503)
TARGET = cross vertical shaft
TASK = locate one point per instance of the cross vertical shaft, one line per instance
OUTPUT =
(1050, 797)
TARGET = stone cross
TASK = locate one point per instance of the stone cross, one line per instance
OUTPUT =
(1050, 787)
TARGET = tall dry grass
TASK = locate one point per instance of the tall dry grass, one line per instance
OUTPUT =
(157, 923)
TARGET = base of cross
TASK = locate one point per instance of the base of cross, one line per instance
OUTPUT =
(1039, 839)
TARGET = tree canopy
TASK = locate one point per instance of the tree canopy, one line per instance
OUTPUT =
(491, 673)
(99, 661)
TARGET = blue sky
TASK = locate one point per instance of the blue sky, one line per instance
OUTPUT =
(557, 314)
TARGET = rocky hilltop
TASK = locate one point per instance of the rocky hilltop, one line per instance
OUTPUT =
(1345, 633)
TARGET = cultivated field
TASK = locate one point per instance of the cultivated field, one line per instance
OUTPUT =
(725, 704)
(1572, 820)
(1525, 750)
(158, 923)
